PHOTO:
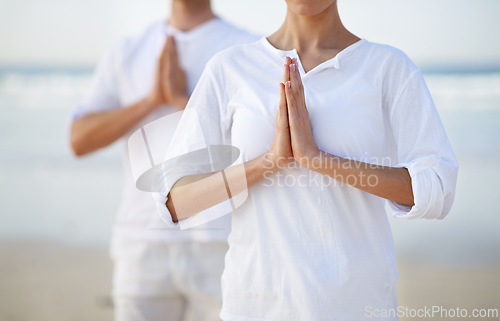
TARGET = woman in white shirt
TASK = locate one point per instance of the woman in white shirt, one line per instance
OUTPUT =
(351, 125)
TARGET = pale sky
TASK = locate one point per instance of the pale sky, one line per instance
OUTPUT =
(77, 32)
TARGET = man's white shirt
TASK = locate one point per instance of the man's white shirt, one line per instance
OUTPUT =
(124, 76)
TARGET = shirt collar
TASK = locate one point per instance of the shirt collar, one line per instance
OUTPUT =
(193, 33)
(334, 62)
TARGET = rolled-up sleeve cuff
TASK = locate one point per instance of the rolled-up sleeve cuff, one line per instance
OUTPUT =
(428, 191)
(161, 200)
(164, 185)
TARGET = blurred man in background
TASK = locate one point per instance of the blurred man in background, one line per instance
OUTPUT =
(159, 274)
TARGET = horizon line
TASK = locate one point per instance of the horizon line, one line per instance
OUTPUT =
(430, 68)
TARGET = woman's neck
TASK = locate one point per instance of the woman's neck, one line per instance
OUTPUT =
(317, 38)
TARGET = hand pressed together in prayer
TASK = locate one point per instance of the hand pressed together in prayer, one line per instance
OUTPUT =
(293, 138)
(170, 85)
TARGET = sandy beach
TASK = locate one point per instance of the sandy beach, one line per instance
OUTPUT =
(470, 287)
(51, 281)
(54, 282)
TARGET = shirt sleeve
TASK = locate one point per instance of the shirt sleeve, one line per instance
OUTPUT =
(204, 127)
(103, 94)
(421, 146)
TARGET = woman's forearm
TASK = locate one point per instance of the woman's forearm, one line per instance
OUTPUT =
(195, 193)
(387, 182)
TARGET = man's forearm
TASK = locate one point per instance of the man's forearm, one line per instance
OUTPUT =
(98, 130)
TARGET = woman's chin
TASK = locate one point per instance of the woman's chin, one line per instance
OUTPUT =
(310, 9)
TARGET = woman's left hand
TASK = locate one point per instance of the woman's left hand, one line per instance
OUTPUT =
(304, 147)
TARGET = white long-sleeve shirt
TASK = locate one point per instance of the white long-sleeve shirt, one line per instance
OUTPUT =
(304, 246)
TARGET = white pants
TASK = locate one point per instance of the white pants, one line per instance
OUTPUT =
(167, 282)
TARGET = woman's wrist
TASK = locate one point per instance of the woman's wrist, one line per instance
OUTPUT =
(258, 168)
(313, 160)
(272, 163)
(267, 163)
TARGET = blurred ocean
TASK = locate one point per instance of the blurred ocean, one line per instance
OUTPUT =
(47, 194)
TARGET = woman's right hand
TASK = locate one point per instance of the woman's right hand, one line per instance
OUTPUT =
(280, 154)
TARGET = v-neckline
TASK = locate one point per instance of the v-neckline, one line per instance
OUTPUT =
(332, 62)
